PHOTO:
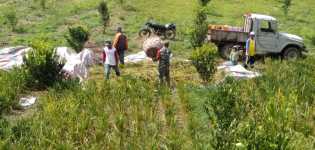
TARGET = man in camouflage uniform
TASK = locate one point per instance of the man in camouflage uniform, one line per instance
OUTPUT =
(163, 56)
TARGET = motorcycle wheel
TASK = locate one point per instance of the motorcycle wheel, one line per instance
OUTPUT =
(170, 34)
(144, 33)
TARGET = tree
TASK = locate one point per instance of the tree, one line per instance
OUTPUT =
(199, 31)
(286, 6)
(104, 12)
(77, 37)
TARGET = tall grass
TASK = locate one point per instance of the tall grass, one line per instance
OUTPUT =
(11, 85)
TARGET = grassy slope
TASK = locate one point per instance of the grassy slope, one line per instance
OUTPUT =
(53, 21)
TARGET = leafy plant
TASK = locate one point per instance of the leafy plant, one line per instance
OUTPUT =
(204, 60)
(78, 36)
(104, 12)
(199, 31)
(42, 65)
(11, 18)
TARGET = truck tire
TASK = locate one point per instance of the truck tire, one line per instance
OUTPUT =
(225, 50)
(292, 53)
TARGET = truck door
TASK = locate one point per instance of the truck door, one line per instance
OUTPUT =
(267, 38)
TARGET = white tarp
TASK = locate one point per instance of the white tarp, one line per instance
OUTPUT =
(138, 57)
(237, 71)
(27, 101)
(76, 65)
(12, 57)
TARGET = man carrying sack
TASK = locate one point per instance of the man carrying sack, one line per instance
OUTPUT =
(163, 56)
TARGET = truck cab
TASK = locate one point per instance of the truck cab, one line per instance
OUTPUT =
(268, 39)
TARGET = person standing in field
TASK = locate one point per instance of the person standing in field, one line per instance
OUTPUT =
(163, 56)
(110, 59)
(121, 44)
(251, 50)
(235, 54)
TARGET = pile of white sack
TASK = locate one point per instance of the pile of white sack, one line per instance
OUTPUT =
(237, 71)
(76, 64)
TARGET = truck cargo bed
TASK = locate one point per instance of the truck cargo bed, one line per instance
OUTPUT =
(223, 36)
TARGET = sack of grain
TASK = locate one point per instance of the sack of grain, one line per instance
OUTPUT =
(151, 45)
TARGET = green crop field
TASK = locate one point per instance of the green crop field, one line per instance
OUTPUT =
(273, 111)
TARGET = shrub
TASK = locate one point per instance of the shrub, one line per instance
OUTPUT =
(77, 37)
(42, 65)
(104, 12)
(11, 18)
(199, 31)
(11, 85)
(203, 59)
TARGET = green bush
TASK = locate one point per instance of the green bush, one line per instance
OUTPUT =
(12, 84)
(77, 37)
(11, 18)
(204, 59)
(42, 65)
(104, 12)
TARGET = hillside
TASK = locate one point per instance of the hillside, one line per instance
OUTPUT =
(273, 111)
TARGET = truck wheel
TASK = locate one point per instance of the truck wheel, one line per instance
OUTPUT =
(291, 53)
(225, 50)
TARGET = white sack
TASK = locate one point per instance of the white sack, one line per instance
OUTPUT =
(27, 101)
(76, 65)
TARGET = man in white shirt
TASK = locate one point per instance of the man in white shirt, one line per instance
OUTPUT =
(110, 59)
